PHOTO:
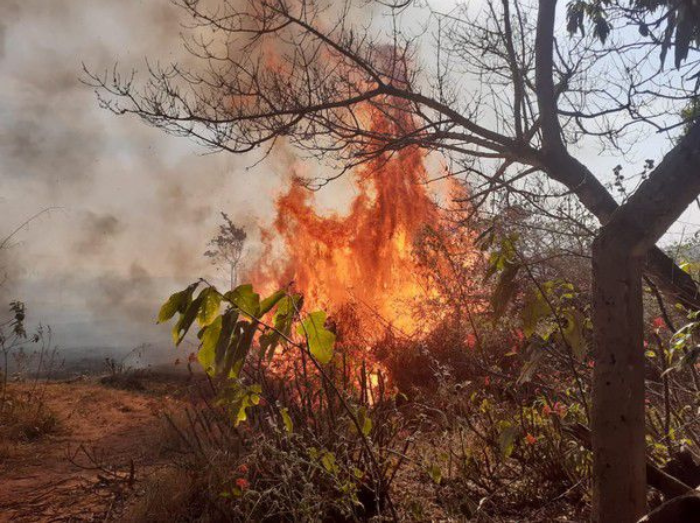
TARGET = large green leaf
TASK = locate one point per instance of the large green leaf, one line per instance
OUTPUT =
(284, 315)
(245, 300)
(210, 339)
(211, 303)
(229, 321)
(320, 339)
(268, 303)
(238, 349)
(282, 322)
(186, 320)
(178, 302)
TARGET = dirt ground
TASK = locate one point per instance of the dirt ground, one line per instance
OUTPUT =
(108, 440)
(113, 445)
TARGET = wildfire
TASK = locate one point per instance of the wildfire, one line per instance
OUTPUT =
(364, 257)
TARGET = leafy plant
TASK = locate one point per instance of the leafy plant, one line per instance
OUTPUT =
(230, 322)
(286, 416)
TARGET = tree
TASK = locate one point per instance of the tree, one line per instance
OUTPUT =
(226, 248)
(507, 99)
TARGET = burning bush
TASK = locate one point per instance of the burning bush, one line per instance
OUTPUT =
(293, 424)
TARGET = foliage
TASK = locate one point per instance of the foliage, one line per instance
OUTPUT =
(679, 21)
(24, 415)
(14, 339)
(304, 426)
(227, 337)
(123, 375)
(488, 408)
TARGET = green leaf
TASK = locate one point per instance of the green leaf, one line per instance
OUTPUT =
(185, 322)
(688, 360)
(364, 421)
(320, 339)
(237, 352)
(226, 338)
(210, 339)
(506, 438)
(239, 399)
(287, 420)
(282, 321)
(170, 307)
(268, 343)
(573, 333)
(285, 313)
(211, 303)
(435, 473)
(534, 309)
(178, 302)
(268, 303)
(328, 462)
(245, 300)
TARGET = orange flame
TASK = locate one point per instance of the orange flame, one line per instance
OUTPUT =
(366, 256)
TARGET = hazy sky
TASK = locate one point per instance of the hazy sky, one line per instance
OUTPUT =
(134, 208)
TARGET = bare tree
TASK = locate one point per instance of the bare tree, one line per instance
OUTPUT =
(507, 98)
(226, 248)
(7, 242)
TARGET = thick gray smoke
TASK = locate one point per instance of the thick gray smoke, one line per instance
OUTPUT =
(134, 208)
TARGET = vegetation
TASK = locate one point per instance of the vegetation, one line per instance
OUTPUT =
(23, 411)
(538, 93)
(226, 248)
(295, 428)
(542, 363)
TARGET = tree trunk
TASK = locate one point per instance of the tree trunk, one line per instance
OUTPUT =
(619, 490)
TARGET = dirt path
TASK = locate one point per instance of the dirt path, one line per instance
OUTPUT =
(41, 481)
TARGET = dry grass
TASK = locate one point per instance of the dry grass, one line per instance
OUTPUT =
(168, 496)
(26, 418)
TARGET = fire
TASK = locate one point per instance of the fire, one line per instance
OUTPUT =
(364, 257)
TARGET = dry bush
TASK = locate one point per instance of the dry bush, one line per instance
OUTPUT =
(121, 374)
(299, 455)
(169, 495)
(26, 418)
(27, 362)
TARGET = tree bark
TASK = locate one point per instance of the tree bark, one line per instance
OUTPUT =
(628, 234)
(618, 429)
(619, 493)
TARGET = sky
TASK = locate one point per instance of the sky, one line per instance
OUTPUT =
(131, 209)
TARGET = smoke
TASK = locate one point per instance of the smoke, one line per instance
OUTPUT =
(97, 233)
(134, 208)
(130, 295)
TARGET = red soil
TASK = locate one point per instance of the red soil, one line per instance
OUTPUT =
(40, 480)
